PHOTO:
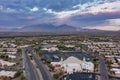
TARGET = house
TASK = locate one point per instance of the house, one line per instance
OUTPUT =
(11, 56)
(50, 49)
(69, 46)
(6, 63)
(116, 71)
(7, 73)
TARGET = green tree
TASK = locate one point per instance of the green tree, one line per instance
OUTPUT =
(42, 58)
(19, 50)
(48, 62)
(95, 59)
(5, 50)
(51, 67)
(23, 77)
(56, 75)
(109, 63)
(36, 50)
(17, 74)
(95, 66)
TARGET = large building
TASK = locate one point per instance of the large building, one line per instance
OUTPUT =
(73, 64)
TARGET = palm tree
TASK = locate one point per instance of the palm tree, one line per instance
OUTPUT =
(36, 50)
(73, 70)
(95, 66)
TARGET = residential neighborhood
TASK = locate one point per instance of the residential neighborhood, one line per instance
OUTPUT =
(56, 58)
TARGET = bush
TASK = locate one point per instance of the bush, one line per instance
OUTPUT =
(42, 58)
(48, 62)
(4, 78)
(23, 77)
(17, 74)
(51, 66)
(19, 50)
(56, 75)
(66, 48)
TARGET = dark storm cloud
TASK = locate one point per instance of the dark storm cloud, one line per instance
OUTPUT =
(96, 17)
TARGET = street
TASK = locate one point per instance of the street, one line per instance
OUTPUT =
(45, 72)
(31, 73)
(103, 70)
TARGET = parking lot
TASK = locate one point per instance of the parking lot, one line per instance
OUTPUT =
(57, 56)
(80, 76)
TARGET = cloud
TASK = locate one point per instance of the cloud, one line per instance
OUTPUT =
(107, 28)
(62, 14)
(1, 7)
(9, 10)
(91, 8)
(49, 11)
(91, 19)
(80, 13)
(96, 16)
(114, 22)
(34, 9)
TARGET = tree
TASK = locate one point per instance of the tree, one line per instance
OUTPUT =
(42, 58)
(109, 63)
(48, 62)
(5, 50)
(95, 59)
(19, 50)
(56, 75)
(17, 74)
(36, 50)
(95, 66)
(74, 70)
(4, 78)
(23, 77)
(51, 67)
(4, 57)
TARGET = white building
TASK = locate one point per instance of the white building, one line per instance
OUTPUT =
(50, 49)
(116, 70)
(11, 56)
(3, 63)
(73, 64)
(69, 46)
(7, 73)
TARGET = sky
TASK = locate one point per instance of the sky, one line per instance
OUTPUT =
(91, 14)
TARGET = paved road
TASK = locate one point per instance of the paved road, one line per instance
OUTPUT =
(44, 71)
(103, 69)
(31, 72)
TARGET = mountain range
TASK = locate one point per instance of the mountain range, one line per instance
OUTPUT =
(64, 28)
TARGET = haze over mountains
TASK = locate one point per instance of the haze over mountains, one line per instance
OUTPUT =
(49, 28)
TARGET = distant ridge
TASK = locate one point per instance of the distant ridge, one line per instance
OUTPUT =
(64, 28)
(50, 28)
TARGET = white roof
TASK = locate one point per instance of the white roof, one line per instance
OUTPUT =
(7, 73)
(72, 59)
(117, 71)
(6, 62)
(71, 64)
